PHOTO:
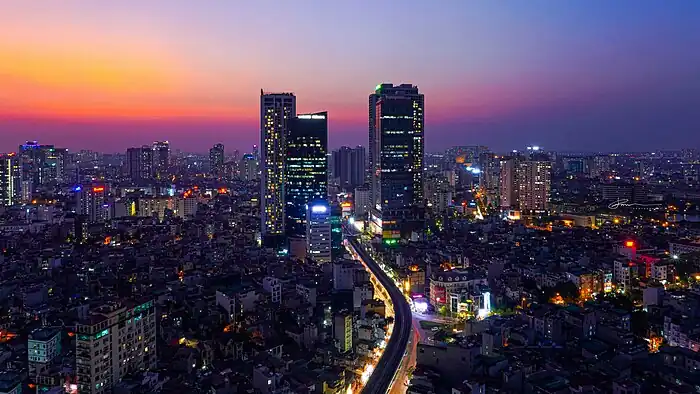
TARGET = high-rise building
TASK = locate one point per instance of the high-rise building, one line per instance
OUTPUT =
(115, 341)
(9, 179)
(509, 183)
(54, 169)
(306, 167)
(216, 159)
(318, 231)
(439, 193)
(534, 184)
(342, 331)
(43, 346)
(92, 202)
(349, 166)
(249, 168)
(276, 111)
(490, 179)
(362, 202)
(397, 146)
(161, 159)
(139, 164)
(40, 164)
(337, 247)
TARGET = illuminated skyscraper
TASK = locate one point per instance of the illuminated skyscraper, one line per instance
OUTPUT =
(397, 149)
(306, 167)
(139, 164)
(509, 183)
(534, 184)
(92, 202)
(9, 179)
(216, 159)
(276, 111)
(161, 159)
(40, 164)
(526, 183)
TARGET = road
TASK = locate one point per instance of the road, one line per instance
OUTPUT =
(389, 366)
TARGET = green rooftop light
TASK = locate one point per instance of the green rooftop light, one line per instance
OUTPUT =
(378, 87)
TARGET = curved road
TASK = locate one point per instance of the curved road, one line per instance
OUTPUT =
(383, 376)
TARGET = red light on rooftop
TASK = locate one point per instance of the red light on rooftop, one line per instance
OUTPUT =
(98, 189)
(629, 244)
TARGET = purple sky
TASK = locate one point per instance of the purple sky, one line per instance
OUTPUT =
(574, 75)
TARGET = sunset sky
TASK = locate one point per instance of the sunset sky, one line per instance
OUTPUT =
(573, 75)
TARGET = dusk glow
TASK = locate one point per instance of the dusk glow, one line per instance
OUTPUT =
(589, 74)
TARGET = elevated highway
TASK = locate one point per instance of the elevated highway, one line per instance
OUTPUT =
(384, 376)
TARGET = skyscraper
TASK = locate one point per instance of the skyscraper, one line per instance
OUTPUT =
(397, 146)
(9, 179)
(161, 159)
(276, 111)
(39, 164)
(318, 231)
(249, 167)
(139, 164)
(92, 202)
(306, 167)
(534, 184)
(349, 166)
(526, 183)
(216, 159)
(509, 183)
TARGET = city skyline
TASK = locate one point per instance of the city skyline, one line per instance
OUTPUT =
(585, 74)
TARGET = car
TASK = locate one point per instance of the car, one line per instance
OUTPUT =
(435, 329)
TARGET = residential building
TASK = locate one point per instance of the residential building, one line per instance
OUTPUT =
(342, 331)
(93, 203)
(216, 159)
(349, 166)
(139, 164)
(116, 340)
(161, 159)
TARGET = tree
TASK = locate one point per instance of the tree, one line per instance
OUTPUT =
(443, 310)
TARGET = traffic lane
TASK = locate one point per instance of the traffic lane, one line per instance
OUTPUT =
(391, 359)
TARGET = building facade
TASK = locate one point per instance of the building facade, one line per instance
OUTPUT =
(534, 185)
(349, 166)
(397, 146)
(276, 111)
(306, 168)
(10, 180)
(161, 159)
(115, 341)
(216, 159)
(249, 168)
(139, 164)
(93, 203)
(318, 231)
